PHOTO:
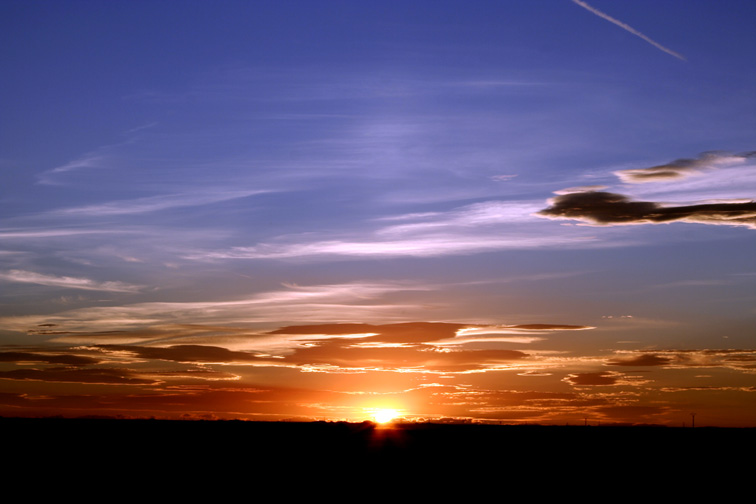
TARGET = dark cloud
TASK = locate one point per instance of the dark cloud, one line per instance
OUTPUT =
(343, 354)
(334, 329)
(604, 208)
(602, 378)
(185, 353)
(71, 360)
(409, 332)
(681, 168)
(549, 327)
(642, 360)
(412, 332)
(631, 412)
(731, 358)
(74, 375)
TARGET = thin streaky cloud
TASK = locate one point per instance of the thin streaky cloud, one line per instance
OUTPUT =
(10, 233)
(21, 276)
(93, 159)
(430, 246)
(157, 203)
(346, 301)
(629, 28)
(481, 227)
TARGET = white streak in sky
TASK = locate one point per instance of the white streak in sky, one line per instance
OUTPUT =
(66, 282)
(628, 28)
(157, 203)
(7, 234)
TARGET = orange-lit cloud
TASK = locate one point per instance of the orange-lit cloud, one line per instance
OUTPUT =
(735, 359)
(184, 353)
(600, 378)
(397, 366)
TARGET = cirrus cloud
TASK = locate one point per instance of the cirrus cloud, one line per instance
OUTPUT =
(21, 276)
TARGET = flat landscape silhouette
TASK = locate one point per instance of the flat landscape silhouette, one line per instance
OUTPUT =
(222, 459)
(131, 439)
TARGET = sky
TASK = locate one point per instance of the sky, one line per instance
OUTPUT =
(493, 211)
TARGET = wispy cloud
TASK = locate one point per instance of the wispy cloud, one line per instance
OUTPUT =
(96, 158)
(333, 302)
(481, 227)
(628, 28)
(15, 233)
(157, 203)
(22, 276)
(429, 246)
(90, 160)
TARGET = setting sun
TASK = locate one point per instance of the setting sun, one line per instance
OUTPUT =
(385, 415)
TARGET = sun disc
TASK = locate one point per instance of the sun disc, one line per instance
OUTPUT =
(384, 415)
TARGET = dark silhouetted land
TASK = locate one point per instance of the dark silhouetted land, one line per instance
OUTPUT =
(193, 460)
(137, 442)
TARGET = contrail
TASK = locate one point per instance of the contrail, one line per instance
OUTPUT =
(628, 28)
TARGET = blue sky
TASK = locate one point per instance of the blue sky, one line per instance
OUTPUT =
(196, 173)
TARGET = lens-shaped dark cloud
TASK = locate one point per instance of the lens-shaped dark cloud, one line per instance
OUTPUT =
(632, 413)
(415, 332)
(605, 208)
(109, 376)
(641, 360)
(410, 332)
(49, 358)
(600, 378)
(420, 357)
(185, 353)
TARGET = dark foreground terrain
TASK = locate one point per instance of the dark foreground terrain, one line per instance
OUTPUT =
(257, 453)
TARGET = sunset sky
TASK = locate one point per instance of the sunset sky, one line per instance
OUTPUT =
(510, 211)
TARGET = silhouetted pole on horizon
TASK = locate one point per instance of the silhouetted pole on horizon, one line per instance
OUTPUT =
(692, 420)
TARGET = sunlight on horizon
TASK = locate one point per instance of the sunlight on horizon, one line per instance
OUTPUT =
(384, 416)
